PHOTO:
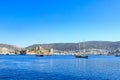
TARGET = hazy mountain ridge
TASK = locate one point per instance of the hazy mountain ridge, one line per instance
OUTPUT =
(8, 46)
(103, 45)
(107, 45)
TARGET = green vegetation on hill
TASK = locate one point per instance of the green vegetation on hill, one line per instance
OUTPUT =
(107, 45)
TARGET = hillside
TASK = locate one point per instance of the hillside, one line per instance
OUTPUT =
(107, 45)
(11, 47)
(90, 46)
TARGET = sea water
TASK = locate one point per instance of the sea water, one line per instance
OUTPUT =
(18, 67)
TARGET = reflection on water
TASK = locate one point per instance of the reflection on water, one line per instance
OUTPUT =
(59, 68)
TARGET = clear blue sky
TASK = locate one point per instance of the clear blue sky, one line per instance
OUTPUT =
(26, 22)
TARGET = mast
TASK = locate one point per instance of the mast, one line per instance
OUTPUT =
(79, 47)
(84, 50)
(84, 47)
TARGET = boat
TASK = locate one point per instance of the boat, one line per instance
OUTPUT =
(79, 55)
(39, 55)
(117, 55)
(7, 54)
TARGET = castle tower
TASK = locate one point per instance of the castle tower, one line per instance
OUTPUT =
(51, 51)
(39, 48)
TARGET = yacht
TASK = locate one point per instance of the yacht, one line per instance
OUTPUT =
(81, 55)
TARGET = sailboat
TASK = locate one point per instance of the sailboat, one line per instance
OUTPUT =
(79, 55)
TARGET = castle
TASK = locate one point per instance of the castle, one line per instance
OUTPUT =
(39, 50)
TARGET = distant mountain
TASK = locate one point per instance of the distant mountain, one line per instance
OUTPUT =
(106, 45)
(57, 46)
(11, 47)
(99, 46)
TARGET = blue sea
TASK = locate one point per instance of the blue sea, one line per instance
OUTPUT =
(19, 67)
